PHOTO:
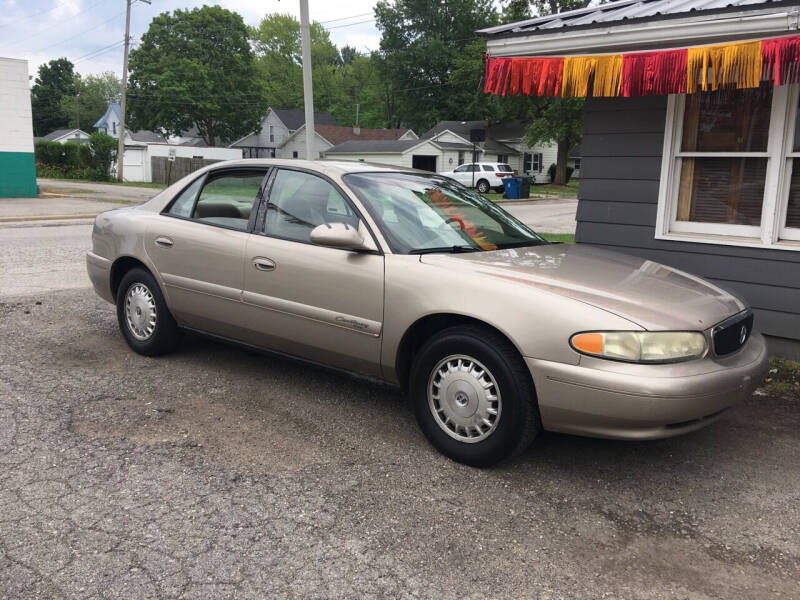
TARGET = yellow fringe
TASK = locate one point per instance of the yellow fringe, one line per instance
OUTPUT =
(578, 71)
(729, 65)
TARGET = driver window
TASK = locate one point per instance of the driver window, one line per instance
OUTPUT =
(298, 202)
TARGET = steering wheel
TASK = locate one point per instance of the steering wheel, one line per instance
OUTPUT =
(449, 220)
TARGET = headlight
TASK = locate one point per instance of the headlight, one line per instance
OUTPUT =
(641, 346)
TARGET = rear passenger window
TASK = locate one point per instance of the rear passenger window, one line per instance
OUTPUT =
(488, 168)
(228, 199)
(183, 205)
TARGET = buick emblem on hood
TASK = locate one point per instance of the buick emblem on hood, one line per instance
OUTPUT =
(743, 334)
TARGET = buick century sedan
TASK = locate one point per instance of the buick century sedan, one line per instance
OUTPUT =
(414, 279)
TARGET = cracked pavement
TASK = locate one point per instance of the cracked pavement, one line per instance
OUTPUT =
(217, 472)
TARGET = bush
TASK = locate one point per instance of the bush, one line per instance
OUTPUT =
(551, 173)
(103, 149)
(77, 155)
(49, 153)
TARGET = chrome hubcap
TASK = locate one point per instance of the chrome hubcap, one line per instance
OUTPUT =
(140, 311)
(464, 399)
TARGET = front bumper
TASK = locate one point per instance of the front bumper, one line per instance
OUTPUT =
(601, 398)
(99, 270)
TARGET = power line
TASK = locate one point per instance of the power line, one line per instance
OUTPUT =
(60, 23)
(36, 14)
(99, 51)
(344, 18)
(84, 32)
(350, 24)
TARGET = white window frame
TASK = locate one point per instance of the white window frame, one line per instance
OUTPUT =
(271, 134)
(771, 233)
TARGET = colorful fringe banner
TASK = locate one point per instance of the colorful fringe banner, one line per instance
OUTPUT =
(654, 73)
(781, 58)
(678, 71)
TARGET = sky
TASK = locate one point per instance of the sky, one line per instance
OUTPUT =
(90, 32)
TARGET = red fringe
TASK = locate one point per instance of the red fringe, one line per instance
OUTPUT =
(498, 73)
(781, 57)
(536, 76)
(657, 73)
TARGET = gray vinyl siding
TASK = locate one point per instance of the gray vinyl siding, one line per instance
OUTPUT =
(618, 198)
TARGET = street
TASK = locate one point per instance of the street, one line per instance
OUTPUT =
(219, 472)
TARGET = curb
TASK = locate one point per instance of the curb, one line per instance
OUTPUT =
(47, 217)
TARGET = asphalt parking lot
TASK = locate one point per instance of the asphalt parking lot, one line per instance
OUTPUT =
(217, 472)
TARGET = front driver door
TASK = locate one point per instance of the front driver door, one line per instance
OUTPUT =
(197, 246)
(324, 304)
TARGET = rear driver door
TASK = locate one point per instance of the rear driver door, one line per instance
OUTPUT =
(197, 246)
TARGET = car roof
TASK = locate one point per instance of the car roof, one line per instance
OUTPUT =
(326, 167)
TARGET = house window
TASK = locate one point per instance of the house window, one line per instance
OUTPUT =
(460, 158)
(532, 163)
(294, 154)
(502, 158)
(576, 164)
(271, 134)
(114, 125)
(727, 175)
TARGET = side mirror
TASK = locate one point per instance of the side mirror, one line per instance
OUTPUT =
(339, 235)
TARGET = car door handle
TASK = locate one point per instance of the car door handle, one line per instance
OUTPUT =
(264, 264)
(164, 242)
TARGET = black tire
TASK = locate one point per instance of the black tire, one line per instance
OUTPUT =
(483, 186)
(166, 335)
(518, 422)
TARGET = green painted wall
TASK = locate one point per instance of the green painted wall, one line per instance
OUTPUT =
(17, 175)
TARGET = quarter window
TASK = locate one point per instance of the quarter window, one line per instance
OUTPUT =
(226, 199)
(299, 202)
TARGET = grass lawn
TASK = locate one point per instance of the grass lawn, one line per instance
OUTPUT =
(567, 238)
(783, 378)
(562, 191)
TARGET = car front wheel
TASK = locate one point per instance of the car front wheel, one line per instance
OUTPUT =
(143, 316)
(473, 396)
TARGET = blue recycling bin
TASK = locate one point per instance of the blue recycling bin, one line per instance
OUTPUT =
(511, 187)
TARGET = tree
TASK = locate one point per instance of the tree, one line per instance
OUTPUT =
(560, 121)
(54, 81)
(196, 68)
(421, 42)
(92, 96)
(277, 45)
(103, 149)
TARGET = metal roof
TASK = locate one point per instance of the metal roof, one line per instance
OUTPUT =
(627, 11)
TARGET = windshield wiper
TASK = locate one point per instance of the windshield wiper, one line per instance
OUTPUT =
(449, 249)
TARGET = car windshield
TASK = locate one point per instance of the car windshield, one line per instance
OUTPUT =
(432, 213)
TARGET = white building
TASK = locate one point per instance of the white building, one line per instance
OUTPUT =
(328, 136)
(63, 136)
(17, 164)
(276, 127)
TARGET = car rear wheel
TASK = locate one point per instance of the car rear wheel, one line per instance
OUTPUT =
(473, 396)
(483, 186)
(143, 316)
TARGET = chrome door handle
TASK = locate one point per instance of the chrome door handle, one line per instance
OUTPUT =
(264, 264)
(164, 242)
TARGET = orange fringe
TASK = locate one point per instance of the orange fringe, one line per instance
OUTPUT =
(726, 66)
(605, 72)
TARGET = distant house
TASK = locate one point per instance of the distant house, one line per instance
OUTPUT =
(447, 145)
(276, 127)
(329, 136)
(504, 143)
(109, 122)
(66, 135)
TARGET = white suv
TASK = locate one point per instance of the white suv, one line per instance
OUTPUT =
(483, 176)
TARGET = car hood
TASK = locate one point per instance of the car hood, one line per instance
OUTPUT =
(650, 294)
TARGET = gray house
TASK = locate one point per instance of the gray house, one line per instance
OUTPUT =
(690, 136)
(276, 128)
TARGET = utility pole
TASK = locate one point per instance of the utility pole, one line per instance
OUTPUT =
(122, 104)
(308, 93)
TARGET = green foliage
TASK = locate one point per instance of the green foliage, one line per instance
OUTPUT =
(93, 93)
(196, 68)
(103, 149)
(560, 121)
(422, 42)
(551, 7)
(74, 160)
(551, 173)
(49, 153)
(54, 81)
